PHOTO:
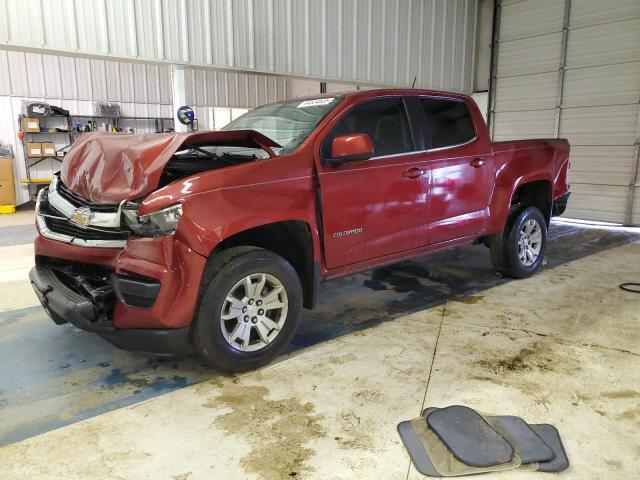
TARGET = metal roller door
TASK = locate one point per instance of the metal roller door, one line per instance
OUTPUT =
(572, 69)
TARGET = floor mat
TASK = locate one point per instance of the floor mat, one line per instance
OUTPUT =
(469, 437)
(522, 437)
(551, 437)
(444, 461)
(416, 451)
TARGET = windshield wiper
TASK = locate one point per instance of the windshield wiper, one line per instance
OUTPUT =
(208, 154)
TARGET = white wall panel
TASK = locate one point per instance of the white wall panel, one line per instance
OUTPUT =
(68, 77)
(530, 55)
(149, 33)
(52, 78)
(5, 81)
(121, 25)
(611, 125)
(83, 78)
(598, 86)
(526, 19)
(152, 76)
(112, 79)
(208, 88)
(18, 73)
(593, 101)
(604, 44)
(520, 125)
(98, 79)
(374, 41)
(527, 92)
(61, 27)
(601, 203)
(592, 12)
(91, 25)
(596, 164)
(35, 74)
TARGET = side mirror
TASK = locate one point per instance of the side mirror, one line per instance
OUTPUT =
(350, 148)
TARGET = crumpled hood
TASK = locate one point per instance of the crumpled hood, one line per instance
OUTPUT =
(110, 167)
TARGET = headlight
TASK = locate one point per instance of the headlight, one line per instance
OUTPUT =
(156, 224)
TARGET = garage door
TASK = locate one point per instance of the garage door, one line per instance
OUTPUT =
(572, 69)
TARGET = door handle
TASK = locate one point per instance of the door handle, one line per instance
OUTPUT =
(477, 162)
(414, 172)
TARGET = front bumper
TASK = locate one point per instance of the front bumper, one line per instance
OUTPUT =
(63, 304)
(139, 293)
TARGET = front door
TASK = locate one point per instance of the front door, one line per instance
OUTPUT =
(374, 207)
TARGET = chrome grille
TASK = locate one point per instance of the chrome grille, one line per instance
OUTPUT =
(101, 229)
(56, 222)
(78, 201)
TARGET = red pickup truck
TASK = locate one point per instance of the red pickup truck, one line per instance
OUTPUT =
(214, 241)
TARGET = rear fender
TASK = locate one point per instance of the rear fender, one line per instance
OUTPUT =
(503, 196)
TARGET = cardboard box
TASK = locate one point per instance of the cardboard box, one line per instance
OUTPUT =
(48, 149)
(31, 124)
(7, 187)
(34, 149)
(7, 192)
(6, 169)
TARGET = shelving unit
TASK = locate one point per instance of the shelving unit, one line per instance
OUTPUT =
(64, 129)
(54, 126)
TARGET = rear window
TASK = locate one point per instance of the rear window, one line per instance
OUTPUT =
(448, 121)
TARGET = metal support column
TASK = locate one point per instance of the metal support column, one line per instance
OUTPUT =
(635, 174)
(179, 95)
(493, 78)
(563, 63)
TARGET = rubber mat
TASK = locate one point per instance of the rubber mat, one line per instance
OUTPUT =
(527, 467)
(443, 460)
(469, 437)
(417, 453)
(550, 435)
(525, 441)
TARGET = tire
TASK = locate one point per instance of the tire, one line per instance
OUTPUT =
(506, 253)
(223, 343)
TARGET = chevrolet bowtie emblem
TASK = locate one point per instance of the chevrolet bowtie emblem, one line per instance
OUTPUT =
(81, 217)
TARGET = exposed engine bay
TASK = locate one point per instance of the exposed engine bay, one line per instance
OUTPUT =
(196, 159)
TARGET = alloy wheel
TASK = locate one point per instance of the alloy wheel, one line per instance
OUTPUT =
(530, 242)
(254, 312)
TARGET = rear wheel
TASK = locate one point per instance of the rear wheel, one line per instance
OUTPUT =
(249, 310)
(519, 251)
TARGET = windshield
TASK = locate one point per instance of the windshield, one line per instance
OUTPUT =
(287, 123)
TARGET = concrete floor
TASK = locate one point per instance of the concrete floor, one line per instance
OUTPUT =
(562, 347)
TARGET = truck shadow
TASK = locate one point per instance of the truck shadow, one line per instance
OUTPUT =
(383, 294)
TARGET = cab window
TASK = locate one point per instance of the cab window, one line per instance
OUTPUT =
(449, 122)
(384, 120)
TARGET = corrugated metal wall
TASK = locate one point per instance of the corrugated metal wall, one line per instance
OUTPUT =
(206, 88)
(581, 82)
(376, 41)
(142, 89)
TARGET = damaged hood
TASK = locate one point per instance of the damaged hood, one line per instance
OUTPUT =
(111, 167)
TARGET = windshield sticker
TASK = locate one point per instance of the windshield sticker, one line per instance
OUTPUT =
(316, 102)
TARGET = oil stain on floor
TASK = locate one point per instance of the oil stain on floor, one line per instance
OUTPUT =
(276, 430)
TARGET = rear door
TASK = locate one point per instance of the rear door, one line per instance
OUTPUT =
(374, 207)
(460, 161)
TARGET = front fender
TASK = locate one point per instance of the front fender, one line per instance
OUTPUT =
(210, 217)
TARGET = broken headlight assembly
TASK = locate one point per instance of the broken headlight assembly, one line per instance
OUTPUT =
(157, 224)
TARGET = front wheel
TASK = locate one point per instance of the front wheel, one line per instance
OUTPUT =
(249, 310)
(519, 251)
